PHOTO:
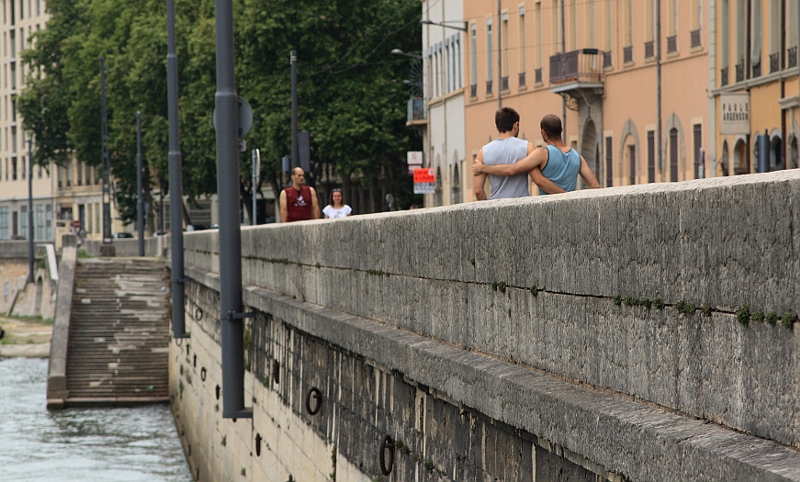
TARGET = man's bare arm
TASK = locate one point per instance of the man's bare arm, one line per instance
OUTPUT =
(537, 159)
(315, 213)
(479, 180)
(544, 183)
(284, 208)
(588, 176)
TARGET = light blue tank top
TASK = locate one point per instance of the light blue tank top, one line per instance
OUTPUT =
(507, 151)
(562, 168)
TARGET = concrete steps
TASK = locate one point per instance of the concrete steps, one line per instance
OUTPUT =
(118, 336)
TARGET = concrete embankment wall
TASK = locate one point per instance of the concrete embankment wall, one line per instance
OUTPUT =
(128, 247)
(545, 315)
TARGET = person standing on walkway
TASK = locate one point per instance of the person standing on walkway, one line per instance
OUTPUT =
(298, 201)
(507, 149)
(337, 208)
(557, 162)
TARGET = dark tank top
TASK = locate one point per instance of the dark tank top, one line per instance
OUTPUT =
(298, 203)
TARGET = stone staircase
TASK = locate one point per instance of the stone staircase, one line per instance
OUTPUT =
(118, 333)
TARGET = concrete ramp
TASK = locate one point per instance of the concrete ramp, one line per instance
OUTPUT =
(118, 333)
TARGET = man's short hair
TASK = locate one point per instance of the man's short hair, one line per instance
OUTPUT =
(297, 170)
(551, 125)
(505, 118)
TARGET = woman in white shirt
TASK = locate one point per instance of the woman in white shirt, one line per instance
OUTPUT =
(337, 208)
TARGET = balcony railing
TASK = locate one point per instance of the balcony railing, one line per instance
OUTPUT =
(488, 87)
(627, 54)
(774, 62)
(672, 44)
(473, 90)
(791, 57)
(757, 70)
(576, 66)
(696, 38)
(504, 83)
(723, 76)
(649, 49)
(522, 79)
(607, 60)
(416, 109)
(537, 76)
(740, 72)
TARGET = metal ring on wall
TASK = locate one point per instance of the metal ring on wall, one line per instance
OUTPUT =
(198, 313)
(387, 443)
(203, 374)
(317, 395)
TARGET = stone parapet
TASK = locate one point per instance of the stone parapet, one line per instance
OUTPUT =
(57, 369)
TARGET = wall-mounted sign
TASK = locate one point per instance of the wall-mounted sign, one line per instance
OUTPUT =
(424, 181)
(735, 113)
(414, 161)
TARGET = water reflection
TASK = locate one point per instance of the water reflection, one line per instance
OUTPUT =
(102, 444)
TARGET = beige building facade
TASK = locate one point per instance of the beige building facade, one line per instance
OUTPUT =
(597, 61)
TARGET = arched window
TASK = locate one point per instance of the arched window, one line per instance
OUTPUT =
(791, 160)
(456, 197)
(438, 195)
(776, 154)
(741, 160)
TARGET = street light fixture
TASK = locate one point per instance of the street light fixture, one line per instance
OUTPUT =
(400, 52)
(427, 21)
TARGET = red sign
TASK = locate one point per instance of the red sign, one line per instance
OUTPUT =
(424, 175)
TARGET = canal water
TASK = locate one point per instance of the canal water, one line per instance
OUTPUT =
(103, 444)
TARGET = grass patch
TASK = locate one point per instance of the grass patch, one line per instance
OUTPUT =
(772, 318)
(743, 315)
(685, 308)
(788, 320)
(82, 254)
(758, 316)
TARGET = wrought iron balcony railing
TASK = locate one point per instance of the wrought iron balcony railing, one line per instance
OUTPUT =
(757, 70)
(627, 54)
(576, 66)
(723, 76)
(774, 62)
(504, 83)
(488, 87)
(649, 49)
(537, 76)
(607, 60)
(473, 90)
(672, 44)
(696, 38)
(791, 57)
(522, 79)
(740, 72)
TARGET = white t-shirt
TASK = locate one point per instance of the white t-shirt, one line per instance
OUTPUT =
(332, 213)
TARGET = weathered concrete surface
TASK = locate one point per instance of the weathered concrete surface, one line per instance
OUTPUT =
(57, 369)
(463, 275)
(36, 350)
(127, 247)
(586, 431)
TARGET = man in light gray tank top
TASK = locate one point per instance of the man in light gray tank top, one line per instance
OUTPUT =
(557, 162)
(507, 149)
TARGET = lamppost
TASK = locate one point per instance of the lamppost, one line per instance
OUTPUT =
(426, 21)
(30, 212)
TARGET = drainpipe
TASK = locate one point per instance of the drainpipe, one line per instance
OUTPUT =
(499, 56)
(563, 96)
(658, 87)
(230, 248)
(175, 181)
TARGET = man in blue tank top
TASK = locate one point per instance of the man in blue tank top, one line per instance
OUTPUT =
(507, 150)
(557, 162)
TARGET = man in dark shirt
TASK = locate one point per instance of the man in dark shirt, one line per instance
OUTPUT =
(298, 201)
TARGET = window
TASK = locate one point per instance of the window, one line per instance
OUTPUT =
(473, 58)
(39, 217)
(632, 164)
(458, 53)
(504, 46)
(697, 22)
(5, 231)
(590, 20)
(23, 220)
(522, 44)
(574, 24)
(697, 133)
(79, 181)
(447, 61)
(628, 23)
(48, 222)
(13, 168)
(538, 34)
(673, 155)
(21, 9)
(489, 61)
(775, 37)
(24, 165)
(725, 47)
(555, 25)
(755, 53)
(791, 34)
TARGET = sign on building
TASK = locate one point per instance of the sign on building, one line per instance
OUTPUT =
(414, 161)
(424, 181)
(735, 113)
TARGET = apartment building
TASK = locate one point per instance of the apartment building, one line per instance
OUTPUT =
(754, 85)
(635, 116)
(20, 19)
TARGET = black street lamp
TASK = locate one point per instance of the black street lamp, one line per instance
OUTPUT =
(405, 54)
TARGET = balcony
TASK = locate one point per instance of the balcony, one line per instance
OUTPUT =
(488, 87)
(696, 38)
(473, 91)
(757, 70)
(791, 57)
(723, 76)
(740, 72)
(416, 111)
(774, 62)
(504, 83)
(649, 49)
(576, 70)
(522, 79)
(627, 54)
(537, 76)
(672, 44)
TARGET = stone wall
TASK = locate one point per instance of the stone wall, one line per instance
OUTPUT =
(624, 295)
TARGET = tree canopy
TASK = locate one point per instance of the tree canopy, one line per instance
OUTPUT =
(350, 93)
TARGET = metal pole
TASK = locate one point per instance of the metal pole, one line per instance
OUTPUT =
(30, 213)
(499, 56)
(256, 172)
(658, 84)
(230, 261)
(106, 167)
(293, 61)
(175, 181)
(139, 200)
(563, 96)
